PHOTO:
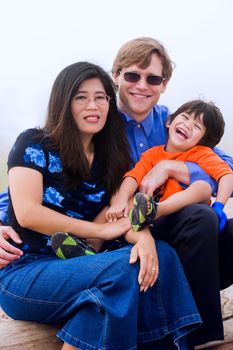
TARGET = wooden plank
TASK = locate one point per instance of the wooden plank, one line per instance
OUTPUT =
(22, 335)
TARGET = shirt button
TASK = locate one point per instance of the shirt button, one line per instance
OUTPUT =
(141, 144)
(139, 125)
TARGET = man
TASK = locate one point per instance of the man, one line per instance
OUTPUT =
(141, 71)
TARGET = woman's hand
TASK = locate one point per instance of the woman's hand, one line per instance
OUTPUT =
(145, 250)
(114, 230)
(8, 252)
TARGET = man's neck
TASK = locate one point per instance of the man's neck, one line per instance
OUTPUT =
(137, 117)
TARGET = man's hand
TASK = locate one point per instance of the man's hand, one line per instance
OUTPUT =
(8, 252)
(156, 177)
(222, 218)
(145, 251)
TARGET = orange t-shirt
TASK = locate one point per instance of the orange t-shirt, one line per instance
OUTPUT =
(201, 155)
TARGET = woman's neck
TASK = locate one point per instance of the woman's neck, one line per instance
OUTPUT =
(88, 149)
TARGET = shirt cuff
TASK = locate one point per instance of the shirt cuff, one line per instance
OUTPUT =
(196, 173)
(3, 217)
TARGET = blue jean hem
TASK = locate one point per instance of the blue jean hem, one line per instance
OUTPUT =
(68, 338)
(182, 327)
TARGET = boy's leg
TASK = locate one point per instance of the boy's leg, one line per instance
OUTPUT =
(67, 246)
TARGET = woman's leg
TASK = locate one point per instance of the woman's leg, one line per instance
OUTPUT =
(97, 301)
(68, 347)
(94, 298)
(168, 307)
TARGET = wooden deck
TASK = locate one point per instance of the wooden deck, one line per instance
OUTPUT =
(21, 335)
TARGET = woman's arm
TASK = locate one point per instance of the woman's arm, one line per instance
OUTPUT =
(144, 249)
(26, 189)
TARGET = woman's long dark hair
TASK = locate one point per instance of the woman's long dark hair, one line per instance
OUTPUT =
(110, 144)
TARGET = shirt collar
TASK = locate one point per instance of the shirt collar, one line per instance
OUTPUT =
(147, 123)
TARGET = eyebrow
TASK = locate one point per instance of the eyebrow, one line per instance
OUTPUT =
(87, 92)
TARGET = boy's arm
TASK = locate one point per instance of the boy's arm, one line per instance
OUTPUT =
(183, 172)
(119, 202)
(225, 188)
(197, 192)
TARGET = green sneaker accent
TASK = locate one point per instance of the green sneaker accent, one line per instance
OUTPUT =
(60, 254)
(88, 252)
(141, 217)
(136, 228)
(135, 201)
(69, 241)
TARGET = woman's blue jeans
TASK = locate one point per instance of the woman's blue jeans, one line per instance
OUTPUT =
(97, 300)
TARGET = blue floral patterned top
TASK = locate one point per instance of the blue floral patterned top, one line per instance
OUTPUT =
(31, 150)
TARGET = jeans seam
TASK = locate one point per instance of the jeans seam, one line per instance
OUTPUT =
(95, 298)
(34, 301)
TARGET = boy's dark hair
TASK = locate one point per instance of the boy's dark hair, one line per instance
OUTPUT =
(212, 119)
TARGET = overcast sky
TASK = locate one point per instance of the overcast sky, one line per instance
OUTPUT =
(39, 38)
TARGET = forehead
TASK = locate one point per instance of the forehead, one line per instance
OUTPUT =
(91, 85)
(155, 66)
(194, 115)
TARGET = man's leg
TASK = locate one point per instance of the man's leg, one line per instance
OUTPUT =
(226, 255)
(193, 232)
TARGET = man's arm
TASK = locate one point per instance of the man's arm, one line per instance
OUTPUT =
(8, 252)
(227, 159)
(4, 199)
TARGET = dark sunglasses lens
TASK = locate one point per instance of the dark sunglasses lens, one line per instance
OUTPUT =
(154, 80)
(132, 77)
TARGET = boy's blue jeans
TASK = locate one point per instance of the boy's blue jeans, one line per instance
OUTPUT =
(97, 301)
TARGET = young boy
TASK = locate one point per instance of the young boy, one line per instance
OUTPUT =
(193, 130)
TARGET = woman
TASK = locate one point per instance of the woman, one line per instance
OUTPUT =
(61, 179)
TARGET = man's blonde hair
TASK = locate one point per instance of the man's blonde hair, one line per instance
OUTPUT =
(139, 51)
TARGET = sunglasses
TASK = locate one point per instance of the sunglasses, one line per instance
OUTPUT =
(151, 79)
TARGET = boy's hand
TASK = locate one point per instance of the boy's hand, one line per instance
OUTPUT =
(117, 211)
(218, 208)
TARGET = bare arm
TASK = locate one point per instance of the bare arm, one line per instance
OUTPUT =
(26, 188)
(197, 192)
(225, 188)
(159, 174)
(119, 206)
(144, 249)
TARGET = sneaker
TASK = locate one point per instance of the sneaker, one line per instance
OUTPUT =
(66, 246)
(143, 213)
